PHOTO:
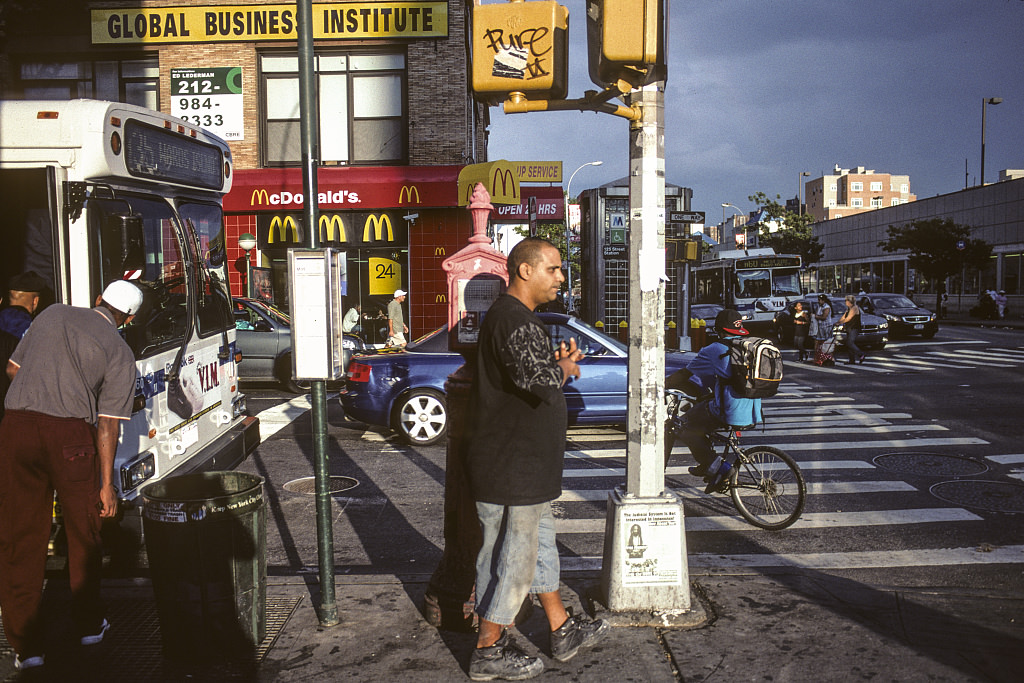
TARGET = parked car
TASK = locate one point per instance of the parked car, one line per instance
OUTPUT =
(263, 334)
(904, 316)
(404, 390)
(874, 330)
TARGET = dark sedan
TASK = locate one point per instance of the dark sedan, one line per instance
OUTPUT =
(263, 334)
(874, 330)
(904, 316)
(404, 390)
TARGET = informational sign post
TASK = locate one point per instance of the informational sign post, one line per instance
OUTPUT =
(210, 98)
(317, 282)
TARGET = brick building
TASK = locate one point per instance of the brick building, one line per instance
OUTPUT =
(397, 121)
(847, 192)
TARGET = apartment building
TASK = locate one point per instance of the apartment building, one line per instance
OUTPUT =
(847, 192)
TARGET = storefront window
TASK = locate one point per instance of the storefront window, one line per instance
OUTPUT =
(361, 102)
(1011, 273)
(133, 81)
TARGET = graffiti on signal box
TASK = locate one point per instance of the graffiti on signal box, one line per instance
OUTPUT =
(513, 52)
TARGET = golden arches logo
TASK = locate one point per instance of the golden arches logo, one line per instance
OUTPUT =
(328, 224)
(441, 299)
(378, 224)
(283, 226)
(439, 251)
(407, 193)
(261, 195)
(506, 177)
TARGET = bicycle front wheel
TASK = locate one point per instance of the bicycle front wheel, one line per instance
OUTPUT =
(767, 488)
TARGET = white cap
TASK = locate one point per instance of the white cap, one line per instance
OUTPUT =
(400, 292)
(124, 296)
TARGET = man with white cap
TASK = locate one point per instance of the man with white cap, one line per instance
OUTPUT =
(72, 382)
(396, 320)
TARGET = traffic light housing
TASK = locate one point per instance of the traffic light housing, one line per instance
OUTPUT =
(681, 251)
(520, 47)
(626, 40)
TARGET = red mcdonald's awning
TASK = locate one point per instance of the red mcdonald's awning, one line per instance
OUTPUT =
(350, 187)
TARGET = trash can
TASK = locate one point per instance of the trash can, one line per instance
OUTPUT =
(206, 538)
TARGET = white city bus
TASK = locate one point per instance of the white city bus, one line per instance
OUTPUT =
(95, 191)
(757, 283)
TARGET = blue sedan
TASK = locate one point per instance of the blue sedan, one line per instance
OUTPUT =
(404, 390)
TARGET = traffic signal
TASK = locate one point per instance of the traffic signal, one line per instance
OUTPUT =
(681, 251)
(626, 40)
(520, 47)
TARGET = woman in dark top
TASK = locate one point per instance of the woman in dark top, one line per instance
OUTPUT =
(851, 323)
(801, 324)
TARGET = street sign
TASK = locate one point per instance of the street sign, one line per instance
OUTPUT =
(686, 217)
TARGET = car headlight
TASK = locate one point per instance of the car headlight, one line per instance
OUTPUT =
(932, 317)
(884, 326)
(890, 316)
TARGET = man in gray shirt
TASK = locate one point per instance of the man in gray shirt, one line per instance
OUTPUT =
(397, 328)
(72, 382)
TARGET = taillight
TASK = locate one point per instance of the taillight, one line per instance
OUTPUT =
(359, 372)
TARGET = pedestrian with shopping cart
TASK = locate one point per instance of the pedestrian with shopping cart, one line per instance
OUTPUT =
(822, 330)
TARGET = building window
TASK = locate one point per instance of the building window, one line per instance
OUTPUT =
(904, 188)
(831, 203)
(856, 201)
(895, 201)
(833, 187)
(876, 187)
(856, 187)
(361, 104)
(134, 81)
(876, 202)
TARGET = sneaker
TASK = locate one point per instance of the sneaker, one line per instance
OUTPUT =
(97, 638)
(576, 632)
(27, 663)
(503, 660)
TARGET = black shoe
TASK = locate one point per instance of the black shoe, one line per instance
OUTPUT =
(862, 358)
(503, 660)
(698, 471)
(576, 632)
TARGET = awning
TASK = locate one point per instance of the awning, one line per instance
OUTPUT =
(349, 187)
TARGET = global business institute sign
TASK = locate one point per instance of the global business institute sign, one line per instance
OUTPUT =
(220, 23)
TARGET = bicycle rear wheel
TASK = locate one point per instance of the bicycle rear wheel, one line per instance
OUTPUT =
(767, 488)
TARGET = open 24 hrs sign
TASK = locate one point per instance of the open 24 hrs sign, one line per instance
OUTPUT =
(210, 98)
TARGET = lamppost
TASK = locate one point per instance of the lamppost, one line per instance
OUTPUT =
(984, 102)
(247, 242)
(800, 192)
(726, 204)
(568, 247)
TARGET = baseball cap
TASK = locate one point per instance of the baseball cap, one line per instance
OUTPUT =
(124, 296)
(730, 322)
(27, 282)
(400, 292)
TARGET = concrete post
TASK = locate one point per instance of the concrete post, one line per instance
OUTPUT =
(644, 567)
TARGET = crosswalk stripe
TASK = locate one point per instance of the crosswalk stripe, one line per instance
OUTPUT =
(1003, 355)
(901, 363)
(947, 354)
(872, 559)
(1012, 459)
(814, 488)
(672, 471)
(812, 520)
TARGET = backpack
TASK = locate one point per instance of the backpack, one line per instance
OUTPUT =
(756, 365)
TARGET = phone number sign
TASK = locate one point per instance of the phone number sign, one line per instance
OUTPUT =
(210, 98)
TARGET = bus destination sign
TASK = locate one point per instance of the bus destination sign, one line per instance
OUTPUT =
(768, 262)
(158, 154)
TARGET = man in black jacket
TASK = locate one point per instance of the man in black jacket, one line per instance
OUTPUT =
(516, 447)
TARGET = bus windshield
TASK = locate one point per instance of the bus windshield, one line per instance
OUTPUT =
(786, 282)
(753, 284)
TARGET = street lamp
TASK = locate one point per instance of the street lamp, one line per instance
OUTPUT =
(568, 251)
(800, 192)
(247, 242)
(990, 100)
(726, 204)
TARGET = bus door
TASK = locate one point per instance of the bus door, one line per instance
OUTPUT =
(30, 240)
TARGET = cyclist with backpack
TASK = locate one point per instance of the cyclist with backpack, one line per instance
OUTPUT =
(727, 402)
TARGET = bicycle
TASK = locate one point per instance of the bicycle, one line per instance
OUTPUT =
(765, 483)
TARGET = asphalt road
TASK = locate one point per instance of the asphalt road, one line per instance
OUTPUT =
(912, 460)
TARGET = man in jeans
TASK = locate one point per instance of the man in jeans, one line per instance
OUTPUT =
(516, 446)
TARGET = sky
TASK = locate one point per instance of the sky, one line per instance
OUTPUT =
(759, 91)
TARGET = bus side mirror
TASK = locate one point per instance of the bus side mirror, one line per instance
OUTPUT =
(124, 245)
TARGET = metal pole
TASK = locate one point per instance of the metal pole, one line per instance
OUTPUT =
(983, 103)
(248, 273)
(310, 161)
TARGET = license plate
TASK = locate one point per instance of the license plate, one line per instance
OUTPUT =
(918, 327)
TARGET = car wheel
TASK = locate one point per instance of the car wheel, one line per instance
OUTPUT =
(284, 376)
(421, 417)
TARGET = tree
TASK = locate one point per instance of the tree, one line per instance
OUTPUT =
(794, 235)
(938, 248)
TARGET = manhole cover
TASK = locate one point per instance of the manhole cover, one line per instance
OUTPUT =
(930, 464)
(307, 485)
(992, 496)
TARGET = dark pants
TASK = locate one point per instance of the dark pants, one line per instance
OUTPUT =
(800, 341)
(851, 344)
(41, 453)
(694, 433)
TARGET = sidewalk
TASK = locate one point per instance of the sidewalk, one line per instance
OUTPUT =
(804, 626)
(962, 319)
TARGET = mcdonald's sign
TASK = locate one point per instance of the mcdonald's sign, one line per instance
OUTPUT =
(327, 225)
(439, 251)
(509, 183)
(280, 227)
(441, 299)
(259, 197)
(378, 222)
(407, 193)
(499, 177)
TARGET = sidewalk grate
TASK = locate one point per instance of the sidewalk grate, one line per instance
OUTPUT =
(990, 496)
(930, 464)
(132, 649)
(307, 485)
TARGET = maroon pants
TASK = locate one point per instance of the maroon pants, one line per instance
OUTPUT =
(38, 454)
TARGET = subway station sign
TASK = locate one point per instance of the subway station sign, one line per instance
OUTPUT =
(218, 23)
